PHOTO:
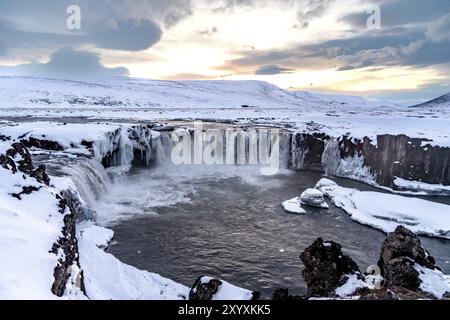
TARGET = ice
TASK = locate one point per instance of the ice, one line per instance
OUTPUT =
(293, 206)
(385, 211)
(313, 198)
(418, 187)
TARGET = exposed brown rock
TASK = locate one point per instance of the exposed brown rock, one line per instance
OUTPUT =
(326, 267)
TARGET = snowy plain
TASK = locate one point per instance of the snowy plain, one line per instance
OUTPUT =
(245, 101)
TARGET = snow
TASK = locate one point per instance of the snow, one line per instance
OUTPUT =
(387, 211)
(433, 281)
(349, 288)
(314, 198)
(106, 278)
(422, 187)
(293, 206)
(124, 98)
(28, 230)
(228, 291)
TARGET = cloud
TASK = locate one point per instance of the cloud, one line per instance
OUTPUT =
(400, 12)
(272, 70)
(440, 30)
(126, 35)
(208, 32)
(68, 63)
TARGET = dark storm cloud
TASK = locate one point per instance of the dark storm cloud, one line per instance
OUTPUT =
(109, 24)
(68, 63)
(271, 70)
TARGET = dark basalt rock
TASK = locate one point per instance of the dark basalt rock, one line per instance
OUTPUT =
(25, 165)
(403, 243)
(282, 294)
(25, 190)
(400, 251)
(68, 244)
(40, 175)
(394, 293)
(446, 296)
(204, 291)
(42, 144)
(400, 156)
(326, 267)
(400, 272)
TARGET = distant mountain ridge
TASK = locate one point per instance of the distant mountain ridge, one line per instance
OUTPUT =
(16, 92)
(442, 101)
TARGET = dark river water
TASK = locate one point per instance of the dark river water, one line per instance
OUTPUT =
(231, 225)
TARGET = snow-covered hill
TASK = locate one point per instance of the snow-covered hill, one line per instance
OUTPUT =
(20, 92)
(440, 102)
(248, 101)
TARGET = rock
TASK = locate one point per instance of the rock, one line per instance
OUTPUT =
(404, 243)
(394, 293)
(202, 290)
(400, 272)
(446, 296)
(400, 251)
(206, 288)
(282, 294)
(326, 268)
(313, 198)
(42, 144)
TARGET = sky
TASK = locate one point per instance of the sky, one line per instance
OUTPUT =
(388, 49)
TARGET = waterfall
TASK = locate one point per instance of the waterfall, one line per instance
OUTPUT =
(90, 179)
(298, 152)
(331, 157)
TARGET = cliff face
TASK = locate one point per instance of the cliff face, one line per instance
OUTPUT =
(391, 156)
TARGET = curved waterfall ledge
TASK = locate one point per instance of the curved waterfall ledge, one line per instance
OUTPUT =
(74, 164)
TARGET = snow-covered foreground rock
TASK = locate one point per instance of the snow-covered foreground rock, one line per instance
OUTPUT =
(404, 271)
(387, 211)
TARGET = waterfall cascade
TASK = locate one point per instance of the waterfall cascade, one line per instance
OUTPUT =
(331, 157)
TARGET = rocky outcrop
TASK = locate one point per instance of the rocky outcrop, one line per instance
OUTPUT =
(18, 160)
(307, 150)
(326, 268)
(202, 290)
(206, 288)
(283, 295)
(68, 244)
(42, 144)
(401, 156)
(400, 252)
(391, 156)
